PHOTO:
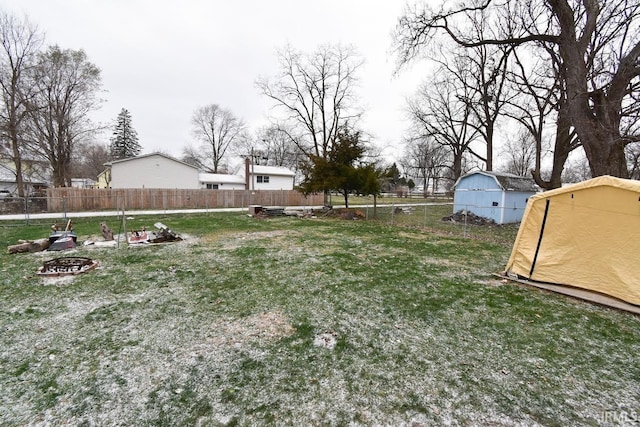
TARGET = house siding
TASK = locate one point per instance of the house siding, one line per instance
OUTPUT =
(153, 172)
(276, 182)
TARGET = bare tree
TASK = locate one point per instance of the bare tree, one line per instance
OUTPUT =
(489, 67)
(576, 169)
(483, 69)
(542, 107)
(315, 92)
(193, 156)
(520, 154)
(20, 43)
(633, 156)
(89, 159)
(67, 84)
(426, 160)
(440, 111)
(598, 44)
(217, 129)
(278, 147)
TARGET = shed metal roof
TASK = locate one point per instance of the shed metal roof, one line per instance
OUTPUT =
(507, 181)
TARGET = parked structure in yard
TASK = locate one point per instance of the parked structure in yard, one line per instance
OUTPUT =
(501, 197)
(585, 235)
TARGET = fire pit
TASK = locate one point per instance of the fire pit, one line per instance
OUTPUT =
(66, 266)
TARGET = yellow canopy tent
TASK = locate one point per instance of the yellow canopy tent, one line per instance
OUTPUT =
(585, 235)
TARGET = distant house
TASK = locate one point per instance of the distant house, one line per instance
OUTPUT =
(501, 197)
(104, 179)
(83, 183)
(32, 176)
(220, 181)
(259, 177)
(154, 170)
(161, 171)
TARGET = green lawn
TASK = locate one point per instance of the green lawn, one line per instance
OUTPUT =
(291, 321)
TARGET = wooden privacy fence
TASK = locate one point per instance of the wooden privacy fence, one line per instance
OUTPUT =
(82, 199)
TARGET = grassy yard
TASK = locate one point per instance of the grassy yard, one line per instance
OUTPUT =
(291, 321)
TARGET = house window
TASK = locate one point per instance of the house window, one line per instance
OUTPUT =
(262, 179)
(212, 186)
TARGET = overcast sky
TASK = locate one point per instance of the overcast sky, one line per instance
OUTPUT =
(163, 59)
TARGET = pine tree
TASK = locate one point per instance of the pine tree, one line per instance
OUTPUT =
(124, 142)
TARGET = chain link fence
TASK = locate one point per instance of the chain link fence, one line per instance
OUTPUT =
(437, 217)
(440, 218)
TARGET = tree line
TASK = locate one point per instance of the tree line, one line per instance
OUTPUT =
(552, 77)
(562, 75)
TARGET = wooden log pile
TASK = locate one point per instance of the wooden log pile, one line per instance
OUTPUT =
(29, 246)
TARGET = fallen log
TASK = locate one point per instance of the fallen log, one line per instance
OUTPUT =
(29, 246)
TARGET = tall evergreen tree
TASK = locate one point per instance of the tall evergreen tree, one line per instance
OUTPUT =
(124, 142)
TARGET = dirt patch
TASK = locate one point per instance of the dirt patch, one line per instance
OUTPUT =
(234, 240)
(269, 326)
(57, 281)
(414, 236)
(327, 340)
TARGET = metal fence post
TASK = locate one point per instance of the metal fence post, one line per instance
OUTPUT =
(26, 210)
(464, 234)
(425, 215)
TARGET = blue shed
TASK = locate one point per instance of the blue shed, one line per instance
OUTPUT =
(501, 197)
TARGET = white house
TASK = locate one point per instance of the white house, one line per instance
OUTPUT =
(161, 171)
(259, 177)
(154, 170)
(220, 181)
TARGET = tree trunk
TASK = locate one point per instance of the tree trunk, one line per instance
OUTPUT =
(595, 115)
(457, 166)
(375, 206)
(597, 123)
(489, 161)
(606, 156)
(564, 144)
(29, 246)
(17, 160)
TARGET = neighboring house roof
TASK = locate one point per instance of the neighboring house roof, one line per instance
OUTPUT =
(268, 170)
(221, 178)
(507, 181)
(128, 159)
(6, 174)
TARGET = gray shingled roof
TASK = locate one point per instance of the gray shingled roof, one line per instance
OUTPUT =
(510, 182)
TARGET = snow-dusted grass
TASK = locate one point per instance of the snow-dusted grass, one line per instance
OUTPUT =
(304, 322)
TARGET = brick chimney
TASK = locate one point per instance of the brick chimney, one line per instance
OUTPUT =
(247, 173)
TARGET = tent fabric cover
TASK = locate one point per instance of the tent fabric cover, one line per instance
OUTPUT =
(585, 235)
